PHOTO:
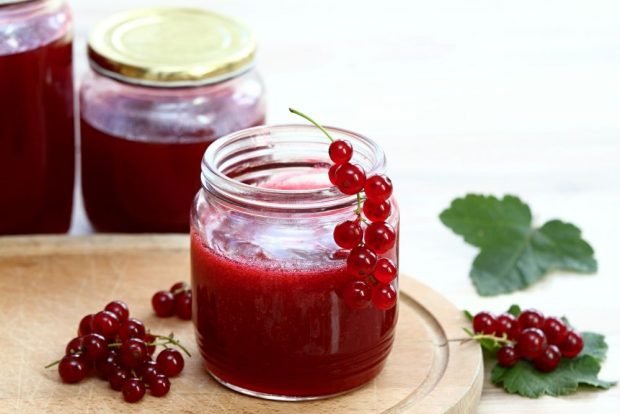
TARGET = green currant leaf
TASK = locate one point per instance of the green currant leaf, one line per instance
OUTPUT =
(525, 380)
(468, 315)
(514, 310)
(513, 255)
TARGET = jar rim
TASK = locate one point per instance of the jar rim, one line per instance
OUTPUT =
(257, 139)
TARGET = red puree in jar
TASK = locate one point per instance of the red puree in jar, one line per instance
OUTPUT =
(276, 325)
(141, 185)
(36, 139)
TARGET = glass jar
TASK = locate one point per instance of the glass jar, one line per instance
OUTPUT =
(268, 279)
(36, 117)
(165, 83)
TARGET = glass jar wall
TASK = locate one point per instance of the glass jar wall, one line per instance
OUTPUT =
(267, 277)
(36, 117)
(157, 96)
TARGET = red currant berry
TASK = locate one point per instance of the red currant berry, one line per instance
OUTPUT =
(332, 173)
(377, 211)
(507, 356)
(485, 323)
(555, 330)
(531, 343)
(549, 359)
(133, 352)
(148, 371)
(179, 287)
(183, 305)
(572, 344)
(120, 309)
(350, 178)
(340, 151)
(385, 271)
(95, 346)
(163, 303)
(170, 362)
(531, 318)
(361, 262)
(74, 346)
(348, 234)
(133, 328)
(150, 343)
(356, 294)
(117, 378)
(133, 390)
(380, 237)
(86, 325)
(72, 368)
(378, 188)
(508, 325)
(108, 364)
(384, 296)
(160, 386)
(106, 324)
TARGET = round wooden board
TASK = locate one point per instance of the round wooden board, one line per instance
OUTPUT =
(48, 283)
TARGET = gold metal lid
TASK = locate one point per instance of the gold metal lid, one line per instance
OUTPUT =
(170, 47)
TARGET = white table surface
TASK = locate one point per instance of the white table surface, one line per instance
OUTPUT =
(488, 96)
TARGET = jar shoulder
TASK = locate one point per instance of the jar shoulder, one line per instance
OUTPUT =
(31, 25)
(150, 113)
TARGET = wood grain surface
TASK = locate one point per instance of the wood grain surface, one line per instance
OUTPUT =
(49, 283)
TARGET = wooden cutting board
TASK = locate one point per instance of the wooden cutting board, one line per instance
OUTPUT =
(48, 283)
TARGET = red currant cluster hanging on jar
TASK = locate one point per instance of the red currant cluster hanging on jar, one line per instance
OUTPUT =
(367, 235)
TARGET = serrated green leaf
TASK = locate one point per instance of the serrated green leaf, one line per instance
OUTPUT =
(525, 380)
(513, 255)
(514, 310)
(468, 315)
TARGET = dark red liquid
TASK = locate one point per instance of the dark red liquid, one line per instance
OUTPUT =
(37, 140)
(139, 186)
(281, 329)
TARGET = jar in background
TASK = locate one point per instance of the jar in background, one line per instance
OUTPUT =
(36, 117)
(268, 279)
(165, 83)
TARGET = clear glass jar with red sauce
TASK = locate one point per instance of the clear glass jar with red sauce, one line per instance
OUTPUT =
(36, 117)
(165, 83)
(269, 281)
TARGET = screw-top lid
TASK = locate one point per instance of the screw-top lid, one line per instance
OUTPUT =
(170, 47)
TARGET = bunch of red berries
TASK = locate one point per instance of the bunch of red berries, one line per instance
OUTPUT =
(532, 336)
(177, 300)
(120, 350)
(368, 237)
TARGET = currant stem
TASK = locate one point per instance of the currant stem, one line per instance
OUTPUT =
(52, 364)
(301, 114)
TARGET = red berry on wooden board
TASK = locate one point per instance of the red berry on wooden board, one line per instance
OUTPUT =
(183, 305)
(120, 309)
(72, 368)
(106, 324)
(163, 303)
(170, 362)
(133, 390)
(485, 323)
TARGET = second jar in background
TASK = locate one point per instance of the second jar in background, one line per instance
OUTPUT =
(164, 84)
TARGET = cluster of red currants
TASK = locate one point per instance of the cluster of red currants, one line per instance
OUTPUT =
(176, 301)
(120, 350)
(532, 336)
(368, 237)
